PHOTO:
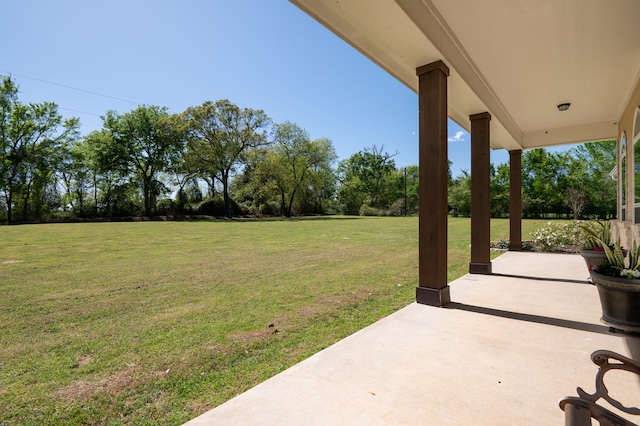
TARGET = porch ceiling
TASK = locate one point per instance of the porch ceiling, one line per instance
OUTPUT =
(517, 59)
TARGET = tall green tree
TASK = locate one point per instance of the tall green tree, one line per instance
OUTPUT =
(591, 167)
(320, 183)
(500, 182)
(74, 178)
(144, 143)
(544, 182)
(106, 172)
(368, 177)
(181, 176)
(459, 197)
(254, 189)
(411, 180)
(30, 135)
(295, 162)
(219, 134)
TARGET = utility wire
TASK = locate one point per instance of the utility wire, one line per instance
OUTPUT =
(73, 88)
(80, 112)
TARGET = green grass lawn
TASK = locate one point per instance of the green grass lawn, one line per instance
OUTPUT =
(157, 322)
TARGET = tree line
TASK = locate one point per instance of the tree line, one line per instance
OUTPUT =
(573, 184)
(218, 159)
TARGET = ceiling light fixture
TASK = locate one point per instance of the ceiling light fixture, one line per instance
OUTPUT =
(563, 107)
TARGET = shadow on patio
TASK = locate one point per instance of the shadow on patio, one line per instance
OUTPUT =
(504, 352)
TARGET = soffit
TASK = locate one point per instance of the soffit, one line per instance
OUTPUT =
(516, 59)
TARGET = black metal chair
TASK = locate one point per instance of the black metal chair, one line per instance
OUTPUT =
(579, 410)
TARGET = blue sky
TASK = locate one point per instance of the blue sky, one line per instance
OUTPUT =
(259, 54)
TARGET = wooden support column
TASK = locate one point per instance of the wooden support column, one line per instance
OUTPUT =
(515, 200)
(480, 194)
(433, 180)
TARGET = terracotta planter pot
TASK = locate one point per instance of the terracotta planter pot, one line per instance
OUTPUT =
(620, 301)
(593, 258)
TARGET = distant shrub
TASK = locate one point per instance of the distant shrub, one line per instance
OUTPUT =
(397, 208)
(215, 207)
(331, 207)
(166, 206)
(269, 209)
(366, 210)
(211, 207)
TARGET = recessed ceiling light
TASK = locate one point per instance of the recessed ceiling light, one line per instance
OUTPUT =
(563, 107)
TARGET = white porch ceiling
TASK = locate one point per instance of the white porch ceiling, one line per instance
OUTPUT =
(517, 59)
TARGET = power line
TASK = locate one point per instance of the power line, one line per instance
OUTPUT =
(73, 88)
(80, 112)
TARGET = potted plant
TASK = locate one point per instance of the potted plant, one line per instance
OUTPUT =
(618, 282)
(597, 236)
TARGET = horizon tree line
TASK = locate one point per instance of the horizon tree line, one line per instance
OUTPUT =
(222, 160)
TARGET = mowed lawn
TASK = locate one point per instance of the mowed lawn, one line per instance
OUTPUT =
(157, 322)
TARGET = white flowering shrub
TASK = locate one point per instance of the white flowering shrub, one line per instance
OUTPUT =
(559, 237)
(630, 273)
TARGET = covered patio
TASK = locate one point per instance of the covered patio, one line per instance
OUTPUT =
(504, 343)
(505, 352)
(517, 75)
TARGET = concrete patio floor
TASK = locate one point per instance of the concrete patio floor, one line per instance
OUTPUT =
(504, 352)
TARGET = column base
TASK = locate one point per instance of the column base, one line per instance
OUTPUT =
(515, 247)
(433, 296)
(480, 268)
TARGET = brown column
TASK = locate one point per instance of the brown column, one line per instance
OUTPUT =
(480, 194)
(515, 200)
(433, 163)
